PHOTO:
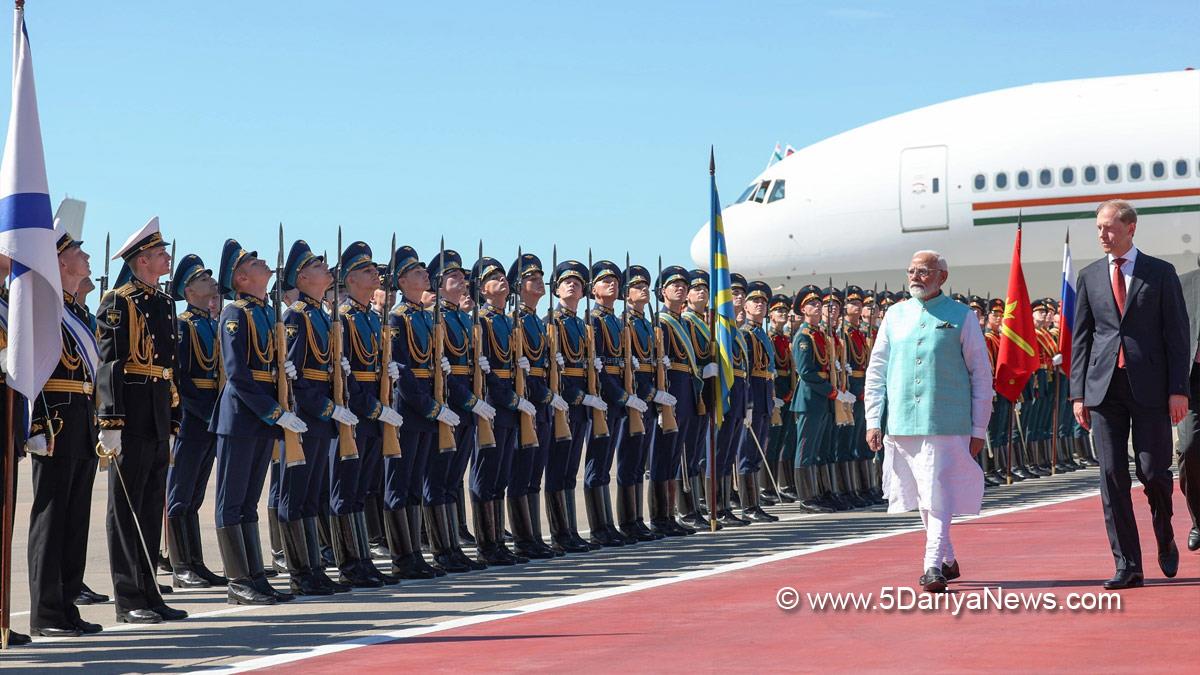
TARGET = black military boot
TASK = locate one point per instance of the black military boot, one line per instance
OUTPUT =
(573, 519)
(661, 521)
(626, 512)
(196, 551)
(325, 539)
(788, 491)
(483, 517)
(315, 561)
(295, 551)
(373, 518)
(533, 503)
(417, 526)
(179, 551)
(853, 488)
(524, 543)
(804, 493)
(364, 552)
(399, 545)
(241, 589)
(639, 510)
(767, 494)
(724, 507)
(610, 521)
(460, 506)
(560, 528)
(754, 511)
(502, 534)
(593, 503)
(346, 555)
(450, 512)
(258, 576)
(687, 505)
(438, 525)
(278, 563)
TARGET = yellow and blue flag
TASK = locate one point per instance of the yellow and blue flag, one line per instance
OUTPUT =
(721, 303)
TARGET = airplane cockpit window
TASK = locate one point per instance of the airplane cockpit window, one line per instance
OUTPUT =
(1181, 168)
(980, 182)
(1112, 173)
(761, 193)
(746, 194)
(1067, 176)
(1089, 174)
(1045, 177)
(1158, 170)
(1022, 179)
(776, 192)
(1135, 171)
(1001, 181)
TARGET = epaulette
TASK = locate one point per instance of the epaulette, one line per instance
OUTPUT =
(241, 303)
(299, 306)
(185, 315)
(125, 290)
(400, 310)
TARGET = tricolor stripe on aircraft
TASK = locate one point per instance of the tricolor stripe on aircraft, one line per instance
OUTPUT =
(1084, 199)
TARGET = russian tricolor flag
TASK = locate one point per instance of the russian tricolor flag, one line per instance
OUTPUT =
(35, 303)
(1066, 308)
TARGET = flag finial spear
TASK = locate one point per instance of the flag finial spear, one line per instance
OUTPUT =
(712, 161)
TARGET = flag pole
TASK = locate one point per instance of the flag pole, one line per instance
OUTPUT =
(712, 345)
(6, 517)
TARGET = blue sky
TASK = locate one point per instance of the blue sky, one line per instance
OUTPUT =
(574, 123)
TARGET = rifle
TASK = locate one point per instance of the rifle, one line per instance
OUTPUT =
(599, 421)
(484, 434)
(446, 441)
(103, 280)
(834, 354)
(293, 453)
(562, 426)
(391, 438)
(657, 349)
(528, 434)
(776, 411)
(637, 427)
(347, 444)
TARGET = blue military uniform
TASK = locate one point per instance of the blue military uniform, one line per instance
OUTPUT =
(760, 397)
(562, 465)
(634, 450)
(199, 356)
(699, 442)
(732, 431)
(781, 448)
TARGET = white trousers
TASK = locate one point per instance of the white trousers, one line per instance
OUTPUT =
(938, 549)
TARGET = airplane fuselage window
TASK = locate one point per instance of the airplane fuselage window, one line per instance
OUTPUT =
(776, 192)
(1001, 181)
(1181, 168)
(1022, 179)
(746, 194)
(1045, 177)
(1089, 174)
(1067, 176)
(1135, 171)
(980, 181)
(761, 194)
(1158, 170)
(1112, 173)
(937, 185)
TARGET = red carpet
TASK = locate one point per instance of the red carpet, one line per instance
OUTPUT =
(692, 626)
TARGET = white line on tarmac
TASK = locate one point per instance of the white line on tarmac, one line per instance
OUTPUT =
(563, 601)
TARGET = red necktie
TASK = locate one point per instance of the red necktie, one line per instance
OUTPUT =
(1118, 285)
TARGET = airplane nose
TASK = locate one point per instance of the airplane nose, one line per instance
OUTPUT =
(700, 251)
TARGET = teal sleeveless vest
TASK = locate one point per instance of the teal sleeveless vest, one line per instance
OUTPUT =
(928, 386)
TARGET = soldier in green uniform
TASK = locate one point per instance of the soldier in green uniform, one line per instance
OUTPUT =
(812, 400)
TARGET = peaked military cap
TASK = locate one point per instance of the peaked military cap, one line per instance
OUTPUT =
(232, 255)
(190, 266)
(144, 239)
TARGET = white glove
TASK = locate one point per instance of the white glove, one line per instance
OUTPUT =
(837, 365)
(393, 370)
(345, 365)
(598, 364)
(847, 397)
(595, 402)
(290, 422)
(559, 403)
(448, 416)
(289, 369)
(445, 366)
(483, 409)
(36, 445)
(484, 365)
(4, 360)
(709, 371)
(777, 403)
(523, 363)
(390, 417)
(526, 407)
(559, 358)
(666, 362)
(1057, 360)
(1017, 406)
(636, 364)
(636, 403)
(664, 397)
(110, 440)
(342, 414)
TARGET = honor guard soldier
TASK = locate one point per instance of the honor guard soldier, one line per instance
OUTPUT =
(857, 454)
(835, 451)
(411, 332)
(690, 506)
(633, 450)
(782, 444)
(446, 468)
(812, 402)
(684, 385)
(998, 423)
(137, 415)
(760, 401)
(247, 421)
(62, 445)
(570, 281)
(525, 277)
(353, 479)
(491, 467)
(309, 351)
(732, 428)
(198, 354)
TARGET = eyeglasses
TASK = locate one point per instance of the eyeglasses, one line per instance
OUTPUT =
(922, 272)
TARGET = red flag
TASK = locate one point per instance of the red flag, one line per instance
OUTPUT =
(1018, 358)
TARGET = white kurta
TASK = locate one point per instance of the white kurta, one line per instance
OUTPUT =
(935, 473)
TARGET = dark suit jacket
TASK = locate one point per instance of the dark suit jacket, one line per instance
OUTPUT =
(1154, 332)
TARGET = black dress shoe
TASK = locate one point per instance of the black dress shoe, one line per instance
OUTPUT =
(951, 571)
(1124, 579)
(1194, 539)
(188, 579)
(169, 613)
(933, 581)
(16, 639)
(164, 589)
(87, 628)
(1168, 561)
(57, 632)
(92, 596)
(139, 616)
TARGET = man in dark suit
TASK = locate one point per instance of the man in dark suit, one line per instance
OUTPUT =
(1189, 432)
(1130, 369)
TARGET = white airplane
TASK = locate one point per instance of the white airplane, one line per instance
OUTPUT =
(955, 176)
